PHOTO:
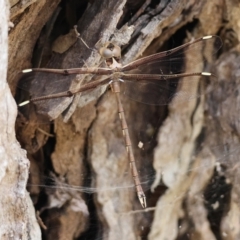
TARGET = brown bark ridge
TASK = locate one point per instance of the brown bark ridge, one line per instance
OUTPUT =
(17, 219)
(79, 180)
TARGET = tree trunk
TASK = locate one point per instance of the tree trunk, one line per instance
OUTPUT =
(80, 182)
(17, 218)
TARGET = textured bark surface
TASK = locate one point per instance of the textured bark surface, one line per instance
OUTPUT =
(17, 220)
(80, 180)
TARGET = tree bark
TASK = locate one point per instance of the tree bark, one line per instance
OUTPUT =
(17, 218)
(80, 181)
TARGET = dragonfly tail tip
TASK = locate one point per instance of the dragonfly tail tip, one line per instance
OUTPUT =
(142, 200)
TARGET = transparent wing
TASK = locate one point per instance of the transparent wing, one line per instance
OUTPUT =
(158, 77)
(40, 84)
(172, 61)
(164, 91)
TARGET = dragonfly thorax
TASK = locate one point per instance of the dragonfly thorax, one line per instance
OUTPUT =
(116, 76)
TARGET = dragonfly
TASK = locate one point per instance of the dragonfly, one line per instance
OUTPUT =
(166, 66)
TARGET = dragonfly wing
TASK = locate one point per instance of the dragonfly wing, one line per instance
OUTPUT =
(172, 61)
(170, 70)
(33, 85)
(162, 92)
(41, 84)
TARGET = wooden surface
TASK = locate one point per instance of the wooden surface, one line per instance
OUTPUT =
(79, 179)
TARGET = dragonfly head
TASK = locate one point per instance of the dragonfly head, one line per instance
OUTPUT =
(110, 50)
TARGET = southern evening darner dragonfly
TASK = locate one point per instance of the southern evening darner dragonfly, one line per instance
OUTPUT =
(165, 66)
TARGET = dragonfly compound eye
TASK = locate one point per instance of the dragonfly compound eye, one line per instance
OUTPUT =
(110, 50)
(106, 53)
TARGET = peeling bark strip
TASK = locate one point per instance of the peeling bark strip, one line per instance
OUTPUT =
(84, 166)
